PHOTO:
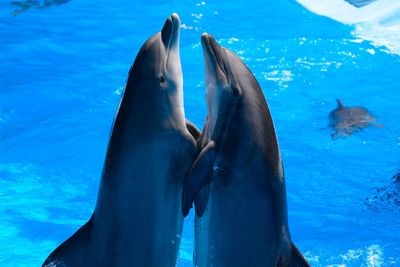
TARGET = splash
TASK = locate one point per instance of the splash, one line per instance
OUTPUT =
(369, 256)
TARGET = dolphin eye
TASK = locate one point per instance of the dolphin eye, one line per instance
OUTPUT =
(235, 92)
(161, 79)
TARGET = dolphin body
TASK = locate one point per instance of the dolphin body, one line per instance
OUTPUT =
(348, 120)
(237, 182)
(39, 4)
(137, 220)
(386, 198)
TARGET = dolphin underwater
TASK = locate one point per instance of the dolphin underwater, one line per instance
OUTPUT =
(386, 198)
(348, 120)
(38, 4)
(137, 220)
(237, 182)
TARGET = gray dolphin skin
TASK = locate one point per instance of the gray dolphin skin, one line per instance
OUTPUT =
(348, 120)
(237, 182)
(137, 220)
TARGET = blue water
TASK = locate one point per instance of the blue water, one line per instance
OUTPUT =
(62, 71)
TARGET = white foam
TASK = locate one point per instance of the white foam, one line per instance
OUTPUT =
(186, 27)
(281, 77)
(374, 256)
(380, 35)
(119, 91)
(371, 51)
(370, 256)
(378, 22)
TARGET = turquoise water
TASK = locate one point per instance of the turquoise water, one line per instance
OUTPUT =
(62, 72)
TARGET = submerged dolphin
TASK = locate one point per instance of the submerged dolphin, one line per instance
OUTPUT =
(348, 120)
(237, 182)
(386, 198)
(137, 220)
(39, 4)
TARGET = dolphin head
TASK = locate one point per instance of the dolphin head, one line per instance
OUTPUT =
(236, 104)
(221, 90)
(158, 61)
(221, 85)
(228, 83)
(155, 80)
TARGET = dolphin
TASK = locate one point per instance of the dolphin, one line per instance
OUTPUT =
(386, 198)
(348, 120)
(137, 220)
(38, 4)
(237, 182)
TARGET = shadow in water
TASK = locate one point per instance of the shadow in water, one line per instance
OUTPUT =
(24, 6)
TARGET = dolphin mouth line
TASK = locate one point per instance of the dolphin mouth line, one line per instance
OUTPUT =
(207, 38)
(170, 38)
(175, 27)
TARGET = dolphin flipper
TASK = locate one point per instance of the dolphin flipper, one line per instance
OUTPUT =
(198, 177)
(201, 200)
(193, 130)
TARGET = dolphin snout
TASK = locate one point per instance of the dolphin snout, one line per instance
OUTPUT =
(170, 31)
(208, 41)
(175, 20)
(205, 43)
(204, 37)
(213, 57)
(208, 51)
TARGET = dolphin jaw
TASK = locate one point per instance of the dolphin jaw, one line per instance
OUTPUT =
(218, 70)
(213, 54)
(220, 80)
(170, 32)
(170, 39)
